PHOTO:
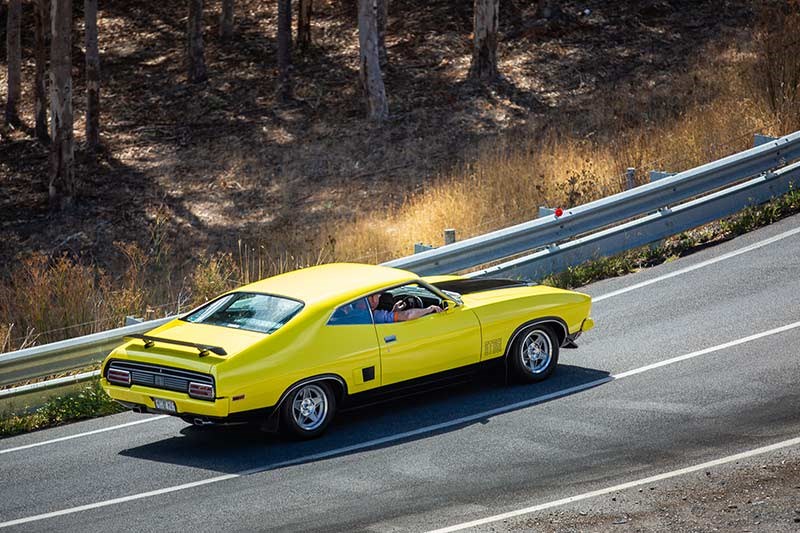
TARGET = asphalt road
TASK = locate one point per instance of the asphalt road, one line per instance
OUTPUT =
(473, 451)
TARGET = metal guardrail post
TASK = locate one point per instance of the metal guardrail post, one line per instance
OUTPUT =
(449, 236)
(630, 178)
(419, 247)
(656, 175)
(759, 139)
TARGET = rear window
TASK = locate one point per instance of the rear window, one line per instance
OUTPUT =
(263, 313)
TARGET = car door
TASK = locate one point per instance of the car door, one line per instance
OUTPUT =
(430, 344)
(351, 332)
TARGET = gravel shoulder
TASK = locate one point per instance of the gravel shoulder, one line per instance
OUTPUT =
(760, 494)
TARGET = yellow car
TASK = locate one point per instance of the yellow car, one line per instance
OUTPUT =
(285, 351)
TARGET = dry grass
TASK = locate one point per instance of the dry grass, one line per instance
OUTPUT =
(509, 179)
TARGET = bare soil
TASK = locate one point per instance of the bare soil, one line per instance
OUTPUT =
(206, 166)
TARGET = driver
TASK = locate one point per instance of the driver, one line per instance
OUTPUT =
(398, 312)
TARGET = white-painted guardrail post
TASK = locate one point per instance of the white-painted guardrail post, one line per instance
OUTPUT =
(630, 178)
(656, 175)
(759, 139)
(420, 247)
(131, 320)
(545, 211)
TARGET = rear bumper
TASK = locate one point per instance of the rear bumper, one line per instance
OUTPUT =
(142, 398)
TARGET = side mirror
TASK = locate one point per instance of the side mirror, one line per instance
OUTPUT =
(448, 305)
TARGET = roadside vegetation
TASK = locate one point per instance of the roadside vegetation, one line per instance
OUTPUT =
(90, 402)
(566, 152)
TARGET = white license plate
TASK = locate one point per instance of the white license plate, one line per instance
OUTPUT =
(165, 405)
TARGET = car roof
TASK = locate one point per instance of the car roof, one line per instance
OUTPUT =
(332, 283)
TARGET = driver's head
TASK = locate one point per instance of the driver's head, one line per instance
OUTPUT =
(374, 299)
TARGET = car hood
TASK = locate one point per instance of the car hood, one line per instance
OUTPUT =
(231, 340)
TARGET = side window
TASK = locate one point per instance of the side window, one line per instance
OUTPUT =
(352, 314)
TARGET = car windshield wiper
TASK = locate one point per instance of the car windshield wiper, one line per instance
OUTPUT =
(205, 349)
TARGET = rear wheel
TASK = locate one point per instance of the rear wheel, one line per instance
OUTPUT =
(534, 354)
(308, 410)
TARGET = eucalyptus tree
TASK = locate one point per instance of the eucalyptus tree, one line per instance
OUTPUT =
(14, 62)
(484, 46)
(369, 61)
(62, 186)
(196, 62)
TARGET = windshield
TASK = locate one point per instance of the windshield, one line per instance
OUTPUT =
(263, 313)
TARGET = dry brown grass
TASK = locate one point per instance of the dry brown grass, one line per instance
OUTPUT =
(509, 179)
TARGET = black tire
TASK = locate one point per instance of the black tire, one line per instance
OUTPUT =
(308, 409)
(534, 354)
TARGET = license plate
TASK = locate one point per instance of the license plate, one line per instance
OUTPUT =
(165, 405)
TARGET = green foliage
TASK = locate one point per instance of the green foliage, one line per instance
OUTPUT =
(90, 402)
(757, 216)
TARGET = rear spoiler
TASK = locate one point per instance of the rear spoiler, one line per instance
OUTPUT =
(205, 349)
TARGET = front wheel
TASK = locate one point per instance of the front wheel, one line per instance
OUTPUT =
(308, 410)
(534, 355)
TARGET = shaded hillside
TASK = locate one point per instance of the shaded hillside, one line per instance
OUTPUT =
(204, 167)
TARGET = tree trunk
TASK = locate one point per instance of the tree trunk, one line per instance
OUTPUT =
(370, 67)
(41, 9)
(14, 58)
(382, 7)
(92, 76)
(484, 54)
(62, 173)
(226, 20)
(196, 59)
(284, 49)
(304, 24)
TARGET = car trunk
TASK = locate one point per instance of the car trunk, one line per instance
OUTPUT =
(231, 340)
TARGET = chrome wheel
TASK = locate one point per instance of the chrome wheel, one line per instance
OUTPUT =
(536, 350)
(310, 407)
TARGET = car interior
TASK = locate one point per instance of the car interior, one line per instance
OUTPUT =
(413, 296)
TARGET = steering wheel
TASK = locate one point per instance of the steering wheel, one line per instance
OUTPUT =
(412, 302)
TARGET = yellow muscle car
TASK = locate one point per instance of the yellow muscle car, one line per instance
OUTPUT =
(285, 351)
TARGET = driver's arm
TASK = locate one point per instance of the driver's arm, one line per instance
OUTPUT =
(411, 314)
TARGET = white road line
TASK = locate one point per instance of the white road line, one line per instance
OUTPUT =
(86, 434)
(622, 486)
(750, 248)
(420, 431)
(115, 501)
(729, 255)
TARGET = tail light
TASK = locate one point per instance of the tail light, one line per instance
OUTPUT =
(119, 377)
(202, 391)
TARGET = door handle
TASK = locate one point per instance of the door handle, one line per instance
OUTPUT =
(389, 338)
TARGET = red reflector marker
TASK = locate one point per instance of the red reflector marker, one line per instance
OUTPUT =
(559, 212)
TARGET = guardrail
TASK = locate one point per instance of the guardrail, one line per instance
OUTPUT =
(614, 209)
(652, 228)
(66, 355)
(651, 202)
